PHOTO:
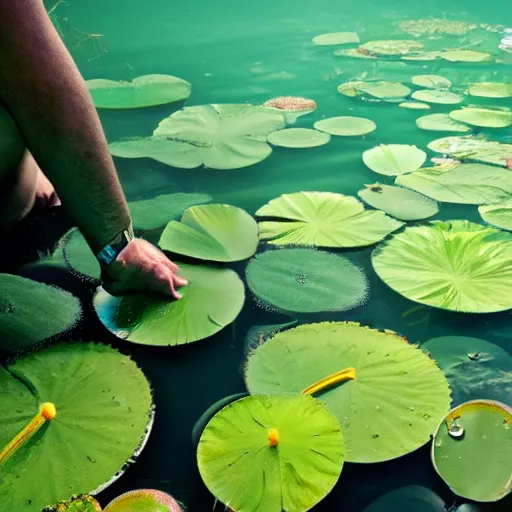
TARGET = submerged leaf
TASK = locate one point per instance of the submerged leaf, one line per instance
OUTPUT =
(394, 159)
(408, 499)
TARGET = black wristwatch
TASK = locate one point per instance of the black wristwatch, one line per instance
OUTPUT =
(111, 251)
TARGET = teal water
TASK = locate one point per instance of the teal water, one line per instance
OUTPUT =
(236, 52)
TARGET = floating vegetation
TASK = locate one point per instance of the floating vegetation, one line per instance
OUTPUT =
(491, 89)
(431, 81)
(323, 219)
(292, 107)
(346, 126)
(465, 56)
(415, 105)
(298, 138)
(499, 214)
(394, 159)
(361, 374)
(355, 53)
(82, 503)
(412, 497)
(421, 56)
(438, 96)
(378, 90)
(143, 91)
(447, 265)
(79, 256)
(472, 452)
(441, 123)
(483, 117)
(391, 47)
(306, 281)
(212, 299)
(144, 500)
(335, 38)
(435, 27)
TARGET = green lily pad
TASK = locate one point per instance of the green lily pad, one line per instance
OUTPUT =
(431, 81)
(148, 214)
(441, 123)
(242, 469)
(354, 53)
(161, 149)
(346, 126)
(399, 202)
(31, 312)
(457, 265)
(298, 138)
(143, 91)
(407, 499)
(335, 38)
(79, 256)
(389, 406)
(212, 299)
(258, 334)
(104, 411)
(483, 117)
(463, 184)
(378, 90)
(491, 89)
(213, 232)
(415, 105)
(472, 450)
(474, 368)
(441, 97)
(394, 159)
(224, 136)
(421, 56)
(465, 56)
(79, 504)
(435, 27)
(323, 219)
(392, 47)
(499, 214)
(306, 281)
(144, 500)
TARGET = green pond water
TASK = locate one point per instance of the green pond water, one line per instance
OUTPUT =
(237, 52)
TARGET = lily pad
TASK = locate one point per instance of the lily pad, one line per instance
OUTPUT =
(79, 256)
(258, 334)
(153, 213)
(306, 281)
(212, 299)
(399, 202)
(458, 266)
(298, 138)
(257, 452)
(392, 47)
(415, 105)
(441, 123)
(144, 500)
(323, 219)
(143, 91)
(436, 96)
(431, 81)
(407, 499)
(346, 126)
(465, 56)
(335, 38)
(389, 397)
(436, 26)
(224, 136)
(31, 312)
(463, 184)
(213, 232)
(94, 430)
(378, 90)
(491, 89)
(474, 368)
(394, 159)
(483, 117)
(421, 56)
(472, 450)
(499, 214)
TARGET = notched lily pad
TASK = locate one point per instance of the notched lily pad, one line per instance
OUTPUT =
(441, 123)
(394, 159)
(379, 90)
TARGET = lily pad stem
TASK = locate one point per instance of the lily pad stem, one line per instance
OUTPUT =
(331, 380)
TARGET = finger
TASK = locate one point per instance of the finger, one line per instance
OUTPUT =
(172, 265)
(180, 281)
(167, 287)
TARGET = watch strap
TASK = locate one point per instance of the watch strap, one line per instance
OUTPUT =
(111, 251)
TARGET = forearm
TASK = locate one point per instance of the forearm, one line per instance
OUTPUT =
(50, 102)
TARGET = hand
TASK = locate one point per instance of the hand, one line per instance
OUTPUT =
(140, 266)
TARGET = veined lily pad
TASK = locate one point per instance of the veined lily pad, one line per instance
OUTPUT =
(431, 81)
(472, 450)
(79, 256)
(346, 126)
(143, 91)
(392, 47)
(256, 453)
(213, 232)
(415, 105)
(483, 117)
(258, 334)
(394, 159)
(144, 500)
(457, 265)
(438, 96)
(298, 138)
(323, 219)
(464, 184)
(380, 90)
(306, 281)
(387, 394)
(225, 136)
(399, 202)
(95, 430)
(212, 299)
(354, 53)
(499, 214)
(407, 499)
(31, 312)
(474, 368)
(465, 56)
(441, 123)
(335, 38)
(491, 89)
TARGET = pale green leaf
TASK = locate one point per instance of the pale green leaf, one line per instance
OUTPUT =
(491, 89)
(298, 138)
(335, 38)
(392, 47)
(394, 159)
(483, 117)
(438, 96)
(346, 126)
(499, 214)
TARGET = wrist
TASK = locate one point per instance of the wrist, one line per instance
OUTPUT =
(107, 254)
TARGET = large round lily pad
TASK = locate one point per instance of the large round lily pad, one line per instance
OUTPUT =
(306, 281)
(79, 255)
(474, 368)
(457, 265)
(389, 403)
(104, 410)
(431, 81)
(258, 452)
(499, 214)
(394, 159)
(437, 96)
(465, 56)
(483, 117)
(144, 500)
(346, 126)
(464, 184)
(399, 202)
(472, 450)
(392, 47)
(224, 136)
(212, 299)
(408, 499)
(376, 90)
(143, 91)
(441, 123)
(336, 38)
(298, 138)
(214, 232)
(31, 312)
(491, 89)
(323, 219)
